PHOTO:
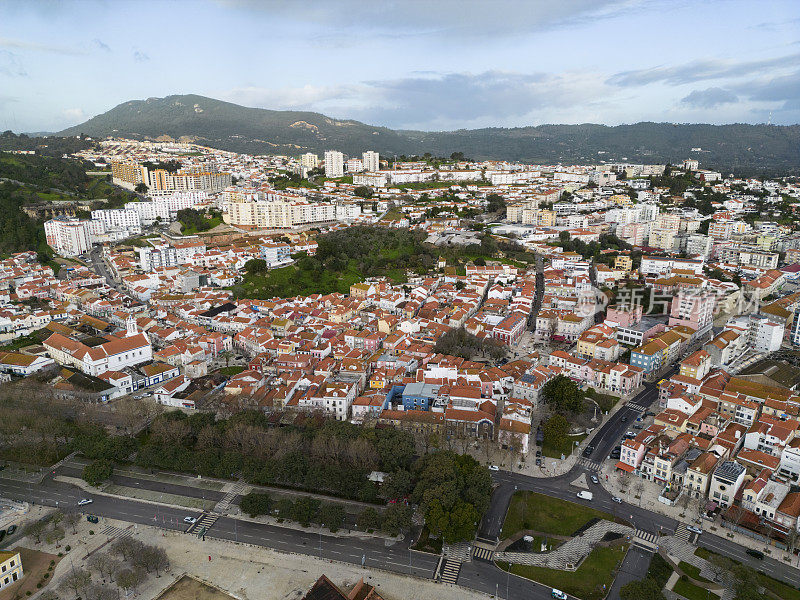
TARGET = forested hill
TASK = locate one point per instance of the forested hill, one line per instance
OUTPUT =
(743, 149)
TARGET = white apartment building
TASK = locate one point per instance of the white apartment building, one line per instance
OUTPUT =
(378, 180)
(354, 165)
(309, 160)
(120, 219)
(762, 333)
(166, 207)
(371, 160)
(334, 163)
(68, 236)
(151, 258)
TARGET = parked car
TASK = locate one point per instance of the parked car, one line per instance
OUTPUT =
(538, 462)
(617, 499)
(11, 529)
(584, 495)
(694, 529)
(538, 453)
(558, 594)
(755, 553)
(587, 452)
(595, 479)
(637, 426)
(190, 520)
(85, 501)
(494, 468)
(624, 418)
(92, 519)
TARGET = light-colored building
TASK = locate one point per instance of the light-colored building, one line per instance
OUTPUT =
(309, 160)
(371, 160)
(334, 163)
(68, 236)
(10, 568)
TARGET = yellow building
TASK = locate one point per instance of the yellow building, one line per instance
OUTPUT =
(10, 568)
(623, 263)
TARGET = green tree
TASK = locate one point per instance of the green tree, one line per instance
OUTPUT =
(369, 519)
(141, 188)
(397, 485)
(256, 265)
(563, 394)
(396, 518)
(332, 515)
(306, 510)
(555, 431)
(255, 504)
(98, 471)
(363, 191)
(646, 589)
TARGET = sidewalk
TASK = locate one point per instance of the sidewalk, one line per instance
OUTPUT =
(683, 511)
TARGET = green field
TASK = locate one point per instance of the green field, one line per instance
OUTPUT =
(587, 581)
(780, 589)
(690, 591)
(537, 512)
(692, 571)
(555, 450)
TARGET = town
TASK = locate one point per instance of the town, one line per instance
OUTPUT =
(601, 357)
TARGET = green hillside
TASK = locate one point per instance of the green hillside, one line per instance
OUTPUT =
(743, 149)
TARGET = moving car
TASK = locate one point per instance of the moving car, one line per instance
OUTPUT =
(616, 499)
(624, 418)
(755, 553)
(85, 501)
(494, 468)
(694, 529)
(558, 594)
(190, 520)
(11, 529)
(587, 452)
(584, 495)
(595, 479)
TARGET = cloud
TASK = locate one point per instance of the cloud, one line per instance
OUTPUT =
(436, 99)
(140, 56)
(701, 70)
(74, 114)
(446, 18)
(784, 89)
(709, 98)
(11, 65)
(101, 45)
(37, 47)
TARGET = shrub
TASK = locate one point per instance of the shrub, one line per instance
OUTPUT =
(67, 548)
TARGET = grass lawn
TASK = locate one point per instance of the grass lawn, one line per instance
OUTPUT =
(393, 214)
(231, 371)
(529, 510)
(702, 553)
(692, 571)
(778, 588)
(427, 543)
(555, 451)
(691, 591)
(587, 582)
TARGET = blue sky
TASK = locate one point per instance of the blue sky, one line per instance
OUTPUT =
(433, 64)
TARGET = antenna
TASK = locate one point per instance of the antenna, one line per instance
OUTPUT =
(769, 121)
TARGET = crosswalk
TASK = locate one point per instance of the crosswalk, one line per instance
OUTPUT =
(646, 539)
(482, 553)
(450, 571)
(117, 532)
(638, 407)
(226, 500)
(204, 523)
(588, 464)
(682, 533)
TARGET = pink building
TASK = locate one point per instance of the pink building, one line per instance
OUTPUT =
(692, 309)
(624, 316)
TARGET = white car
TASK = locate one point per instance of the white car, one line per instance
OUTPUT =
(190, 520)
(85, 501)
(558, 594)
(617, 499)
(494, 468)
(694, 529)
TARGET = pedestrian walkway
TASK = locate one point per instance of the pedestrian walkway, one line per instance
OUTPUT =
(483, 551)
(224, 504)
(117, 532)
(638, 407)
(588, 464)
(204, 523)
(646, 539)
(684, 534)
(462, 551)
(450, 572)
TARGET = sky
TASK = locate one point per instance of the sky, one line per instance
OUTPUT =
(431, 65)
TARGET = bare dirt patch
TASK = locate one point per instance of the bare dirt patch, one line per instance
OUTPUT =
(189, 588)
(35, 565)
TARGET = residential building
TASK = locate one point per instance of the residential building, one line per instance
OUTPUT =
(10, 567)
(371, 161)
(334, 163)
(728, 477)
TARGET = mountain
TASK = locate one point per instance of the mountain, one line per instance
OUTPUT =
(740, 148)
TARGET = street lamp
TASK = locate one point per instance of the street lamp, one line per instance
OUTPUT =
(321, 525)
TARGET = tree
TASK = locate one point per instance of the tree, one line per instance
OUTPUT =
(141, 188)
(72, 519)
(129, 579)
(36, 529)
(97, 591)
(555, 431)
(127, 548)
(646, 589)
(369, 519)
(396, 518)
(363, 191)
(495, 203)
(563, 394)
(719, 566)
(305, 510)
(55, 535)
(397, 485)
(154, 558)
(98, 471)
(255, 504)
(77, 580)
(746, 583)
(105, 564)
(332, 515)
(256, 265)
